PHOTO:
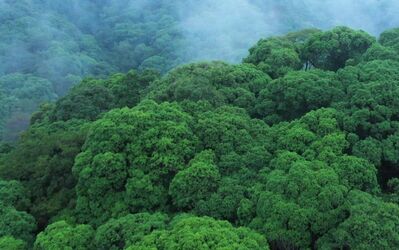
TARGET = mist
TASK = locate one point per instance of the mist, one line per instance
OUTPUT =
(54, 44)
(224, 30)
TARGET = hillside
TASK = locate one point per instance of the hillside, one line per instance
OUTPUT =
(48, 46)
(296, 147)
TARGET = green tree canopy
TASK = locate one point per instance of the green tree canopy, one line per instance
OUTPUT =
(390, 38)
(61, 235)
(17, 224)
(93, 97)
(297, 93)
(43, 162)
(13, 193)
(297, 147)
(276, 56)
(128, 230)
(216, 82)
(330, 50)
(202, 233)
(145, 146)
(371, 224)
(8, 242)
(195, 183)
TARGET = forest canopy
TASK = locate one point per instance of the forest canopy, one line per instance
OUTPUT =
(293, 154)
(294, 147)
(49, 46)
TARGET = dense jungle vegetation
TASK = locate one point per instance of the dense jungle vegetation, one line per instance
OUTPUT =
(296, 147)
(48, 46)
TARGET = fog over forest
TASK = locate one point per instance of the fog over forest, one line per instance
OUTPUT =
(199, 124)
(49, 46)
(223, 30)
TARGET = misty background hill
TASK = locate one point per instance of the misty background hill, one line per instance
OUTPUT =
(171, 124)
(47, 46)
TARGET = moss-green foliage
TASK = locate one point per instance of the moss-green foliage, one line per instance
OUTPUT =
(8, 242)
(216, 82)
(17, 227)
(145, 146)
(61, 235)
(201, 233)
(42, 161)
(17, 224)
(371, 223)
(389, 38)
(275, 56)
(128, 230)
(297, 93)
(13, 193)
(330, 50)
(196, 182)
(49, 46)
(93, 97)
(217, 156)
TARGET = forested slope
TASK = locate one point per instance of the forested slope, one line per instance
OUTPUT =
(294, 148)
(48, 46)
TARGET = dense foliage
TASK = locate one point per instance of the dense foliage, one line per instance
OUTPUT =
(295, 148)
(47, 46)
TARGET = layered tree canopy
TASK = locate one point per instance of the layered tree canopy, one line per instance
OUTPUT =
(295, 148)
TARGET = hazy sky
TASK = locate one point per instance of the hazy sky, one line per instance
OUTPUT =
(225, 29)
